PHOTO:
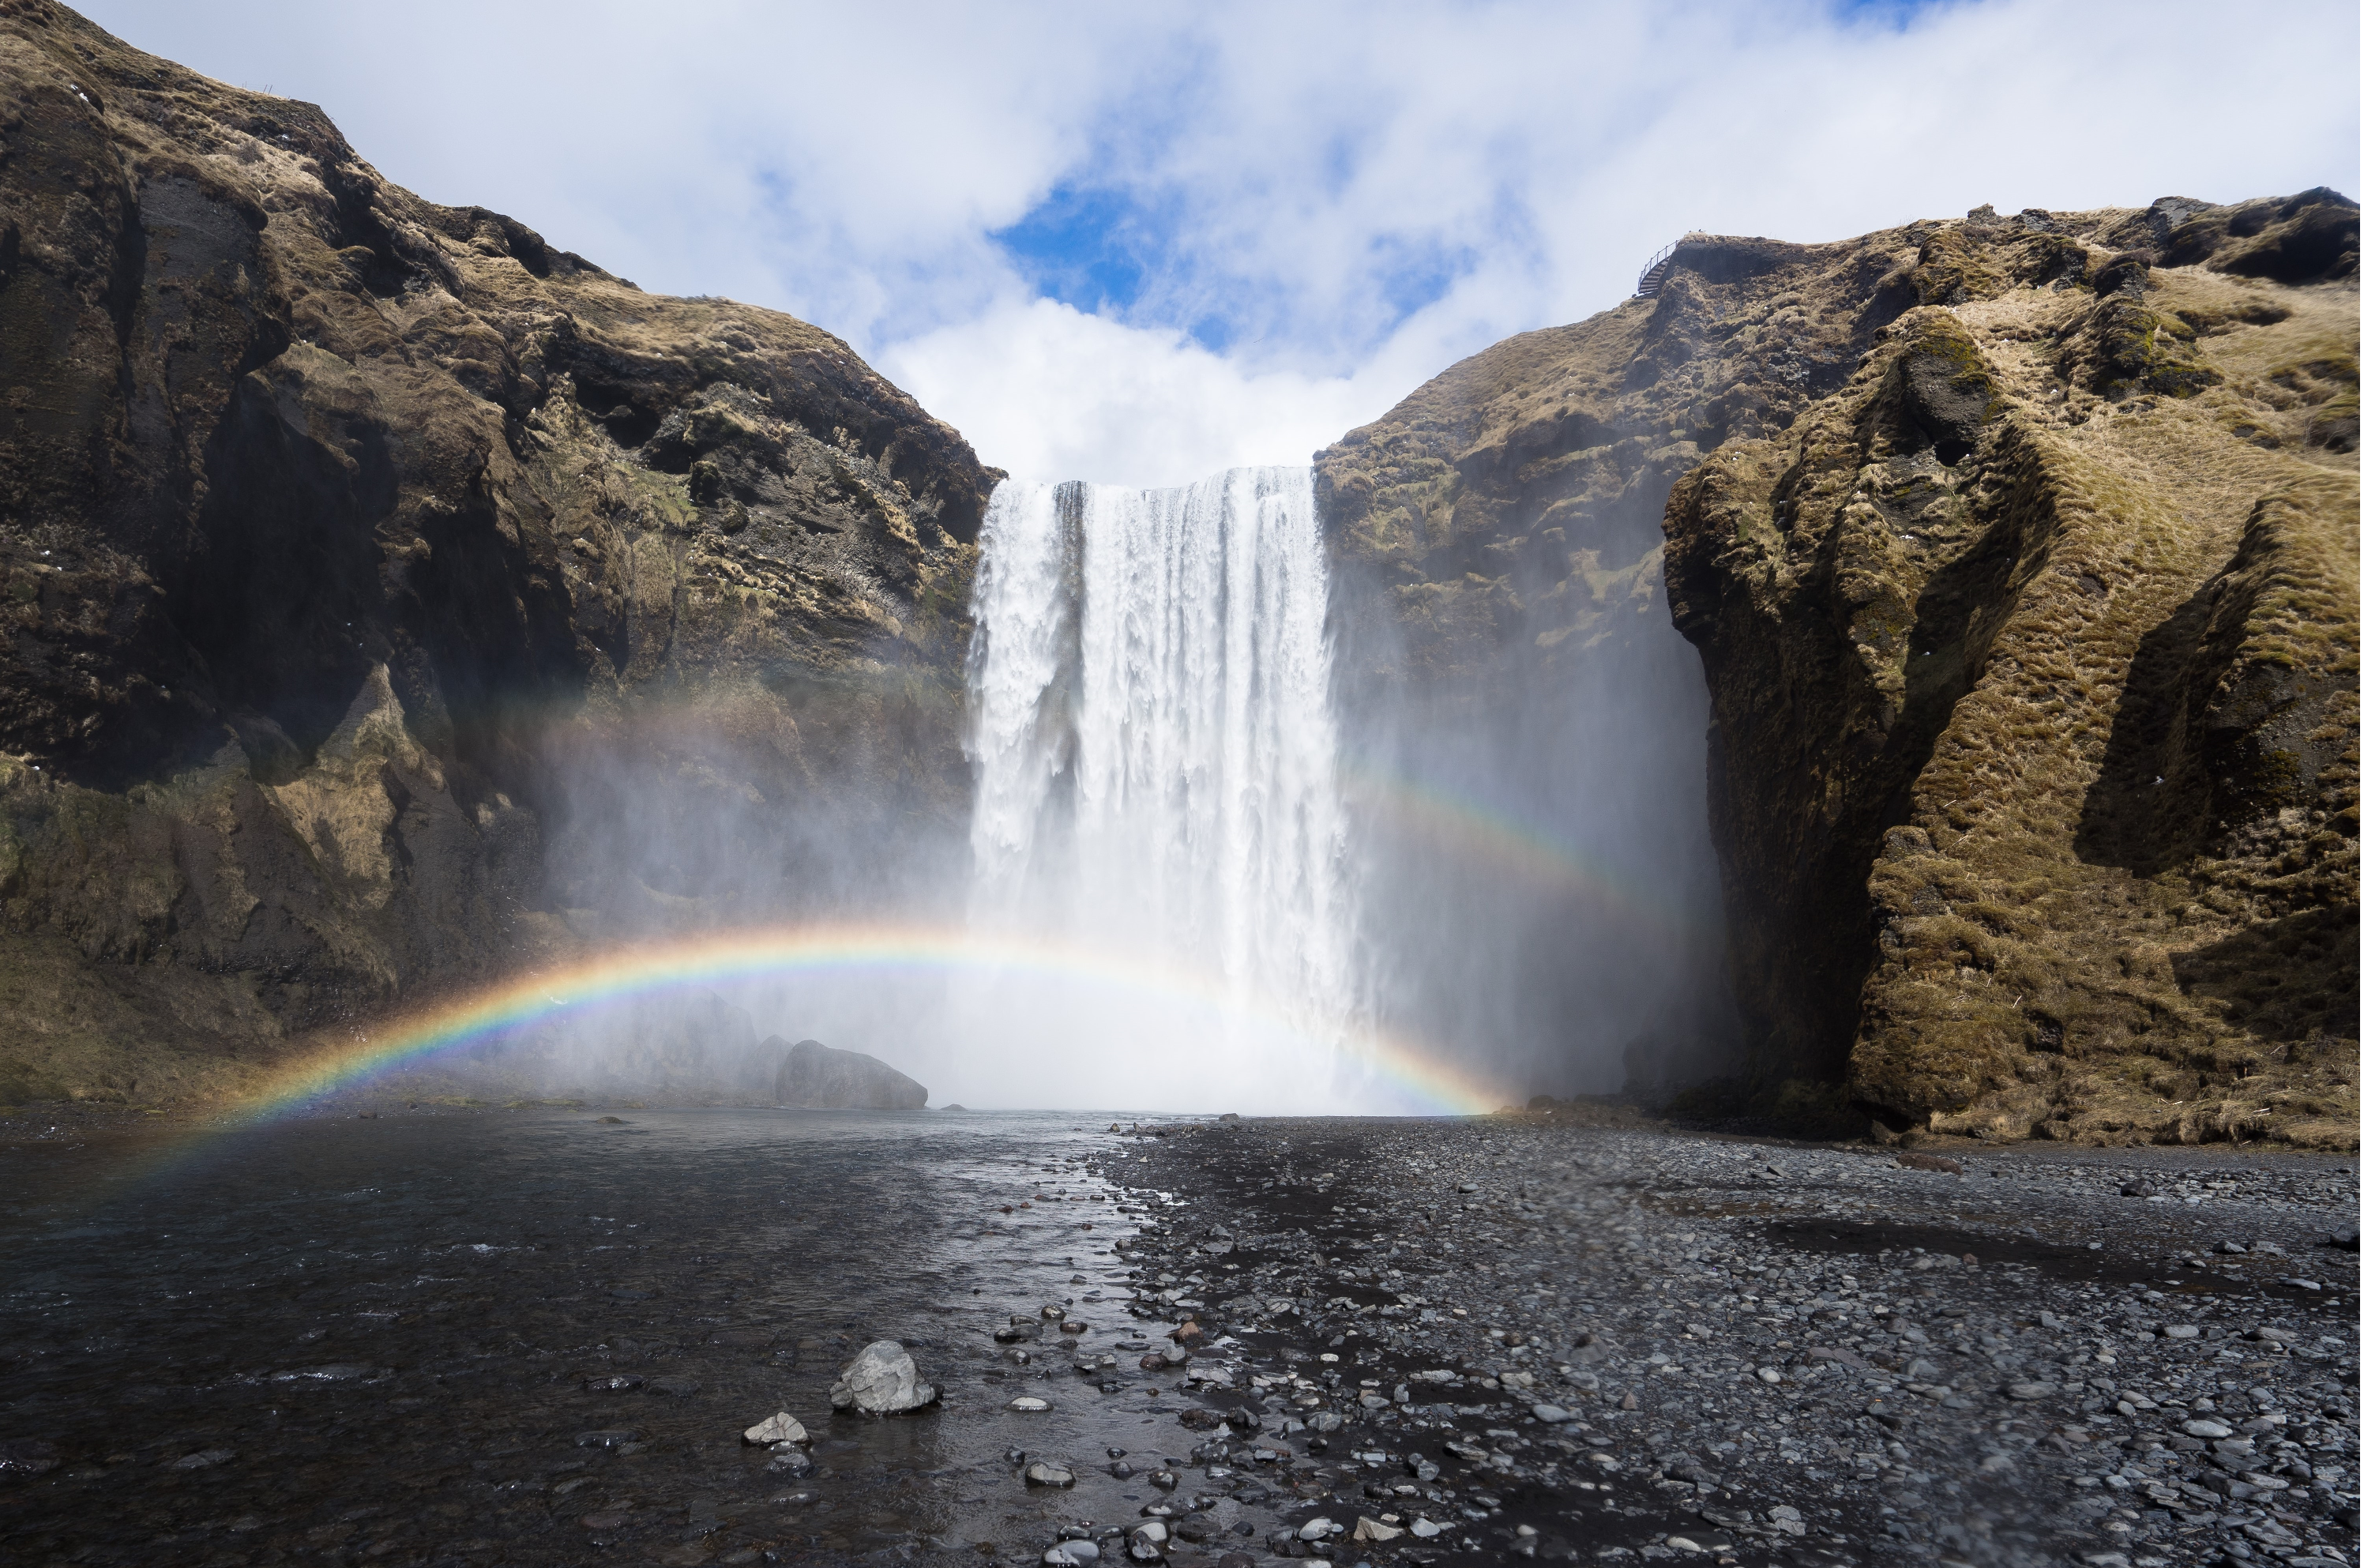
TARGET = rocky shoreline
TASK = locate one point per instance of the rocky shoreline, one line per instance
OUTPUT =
(1415, 1341)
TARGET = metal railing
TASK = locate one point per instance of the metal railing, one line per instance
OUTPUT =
(1654, 272)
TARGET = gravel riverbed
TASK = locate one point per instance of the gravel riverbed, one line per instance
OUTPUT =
(1420, 1340)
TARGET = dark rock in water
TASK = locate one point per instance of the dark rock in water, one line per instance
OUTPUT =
(28, 1456)
(607, 1437)
(819, 1077)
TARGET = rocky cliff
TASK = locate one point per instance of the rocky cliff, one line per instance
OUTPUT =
(2019, 555)
(390, 597)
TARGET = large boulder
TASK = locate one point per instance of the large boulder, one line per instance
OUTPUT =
(881, 1381)
(818, 1077)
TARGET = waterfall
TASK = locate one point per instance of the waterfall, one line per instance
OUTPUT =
(1157, 770)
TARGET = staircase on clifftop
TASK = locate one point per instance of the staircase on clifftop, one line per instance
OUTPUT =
(1654, 272)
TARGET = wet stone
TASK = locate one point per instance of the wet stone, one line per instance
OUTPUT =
(607, 1437)
(781, 1428)
(28, 1456)
(881, 1379)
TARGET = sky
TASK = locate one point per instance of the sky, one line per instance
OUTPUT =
(1141, 244)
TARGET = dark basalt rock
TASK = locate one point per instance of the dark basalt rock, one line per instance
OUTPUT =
(818, 1077)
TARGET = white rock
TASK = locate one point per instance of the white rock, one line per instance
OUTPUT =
(1027, 1401)
(1369, 1528)
(1428, 1530)
(881, 1381)
(1768, 1374)
(1319, 1528)
(2198, 1428)
(1154, 1531)
(780, 1429)
(1551, 1414)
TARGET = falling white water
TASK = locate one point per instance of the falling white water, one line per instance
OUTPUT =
(1157, 783)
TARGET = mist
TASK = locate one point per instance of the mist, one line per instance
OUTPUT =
(1190, 838)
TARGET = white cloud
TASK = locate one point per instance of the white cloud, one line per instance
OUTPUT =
(1355, 195)
(1048, 392)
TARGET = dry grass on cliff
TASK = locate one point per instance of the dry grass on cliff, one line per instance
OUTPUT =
(2137, 985)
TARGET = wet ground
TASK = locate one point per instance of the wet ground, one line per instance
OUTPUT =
(536, 1337)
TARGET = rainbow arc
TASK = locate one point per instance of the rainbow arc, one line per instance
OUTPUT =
(1416, 1079)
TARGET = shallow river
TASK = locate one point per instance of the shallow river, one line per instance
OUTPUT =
(382, 1341)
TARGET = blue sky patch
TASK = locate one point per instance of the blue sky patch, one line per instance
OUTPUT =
(1091, 248)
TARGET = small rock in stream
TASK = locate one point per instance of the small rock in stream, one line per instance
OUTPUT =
(781, 1428)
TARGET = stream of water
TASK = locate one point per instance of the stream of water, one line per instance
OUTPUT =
(523, 1336)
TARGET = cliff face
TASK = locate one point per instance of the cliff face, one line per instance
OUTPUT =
(390, 595)
(2020, 557)
(2033, 652)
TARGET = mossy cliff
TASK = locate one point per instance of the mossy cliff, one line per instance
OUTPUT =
(2019, 555)
(392, 596)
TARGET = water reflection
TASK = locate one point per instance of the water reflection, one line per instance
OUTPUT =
(507, 1336)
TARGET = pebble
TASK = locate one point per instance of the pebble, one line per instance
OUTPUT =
(1042, 1473)
(1028, 1403)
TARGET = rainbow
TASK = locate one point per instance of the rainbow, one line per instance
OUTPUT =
(1417, 1078)
(1516, 848)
